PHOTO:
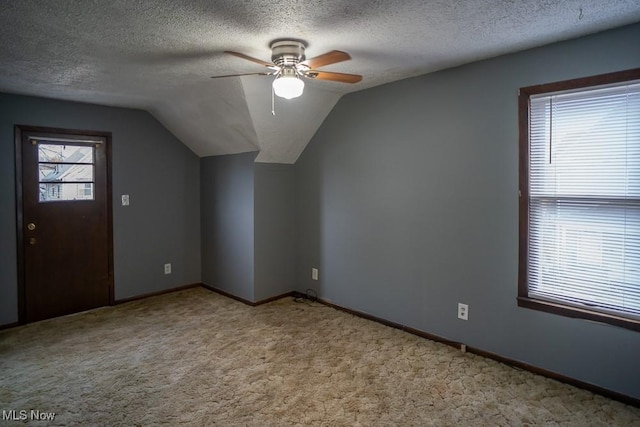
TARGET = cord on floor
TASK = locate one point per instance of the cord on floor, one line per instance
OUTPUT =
(310, 298)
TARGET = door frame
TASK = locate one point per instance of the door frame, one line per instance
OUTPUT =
(19, 131)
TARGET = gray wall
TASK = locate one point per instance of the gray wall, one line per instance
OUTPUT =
(160, 174)
(274, 230)
(227, 215)
(248, 225)
(407, 203)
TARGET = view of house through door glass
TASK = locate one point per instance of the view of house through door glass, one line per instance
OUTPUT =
(65, 172)
(65, 222)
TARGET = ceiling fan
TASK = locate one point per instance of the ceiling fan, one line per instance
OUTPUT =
(289, 66)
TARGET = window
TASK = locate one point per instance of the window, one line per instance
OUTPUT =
(65, 171)
(580, 198)
(87, 191)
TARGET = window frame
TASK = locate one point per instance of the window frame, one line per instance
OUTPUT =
(524, 300)
(50, 142)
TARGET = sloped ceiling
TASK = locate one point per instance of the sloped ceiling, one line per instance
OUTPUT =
(158, 55)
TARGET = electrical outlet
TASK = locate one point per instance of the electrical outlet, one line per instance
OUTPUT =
(314, 274)
(463, 311)
(125, 200)
(167, 268)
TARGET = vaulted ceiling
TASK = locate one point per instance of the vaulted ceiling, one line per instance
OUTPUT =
(159, 55)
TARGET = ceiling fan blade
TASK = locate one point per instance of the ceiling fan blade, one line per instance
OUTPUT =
(249, 58)
(335, 77)
(327, 58)
(245, 74)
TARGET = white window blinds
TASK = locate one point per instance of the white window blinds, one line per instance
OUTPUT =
(584, 198)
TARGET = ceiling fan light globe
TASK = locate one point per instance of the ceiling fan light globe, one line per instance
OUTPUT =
(288, 87)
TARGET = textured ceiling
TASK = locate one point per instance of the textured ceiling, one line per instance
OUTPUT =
(158, 55)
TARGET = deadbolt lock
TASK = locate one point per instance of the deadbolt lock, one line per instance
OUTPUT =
(31, 226)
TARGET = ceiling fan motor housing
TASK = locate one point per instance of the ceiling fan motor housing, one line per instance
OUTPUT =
(287, 53)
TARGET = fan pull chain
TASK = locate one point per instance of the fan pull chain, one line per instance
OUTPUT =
(273, 102)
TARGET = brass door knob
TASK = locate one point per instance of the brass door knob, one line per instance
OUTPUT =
(31, 226)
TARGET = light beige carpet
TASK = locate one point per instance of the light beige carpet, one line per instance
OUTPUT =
(197, 358)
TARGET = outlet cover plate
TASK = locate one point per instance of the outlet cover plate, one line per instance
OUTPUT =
(463, 311)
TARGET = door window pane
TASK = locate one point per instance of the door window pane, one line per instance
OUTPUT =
(61, 172)
(51, 192)
(56, 153)
(65, 172)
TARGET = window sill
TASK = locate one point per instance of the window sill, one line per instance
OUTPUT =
(579, 313)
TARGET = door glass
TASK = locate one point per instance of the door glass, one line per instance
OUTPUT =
(58, 192)
(65, 172)
(56, 153)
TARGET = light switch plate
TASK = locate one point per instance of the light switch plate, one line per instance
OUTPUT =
(125, 200)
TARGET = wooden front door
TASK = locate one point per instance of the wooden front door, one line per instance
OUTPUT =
(64, 221)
